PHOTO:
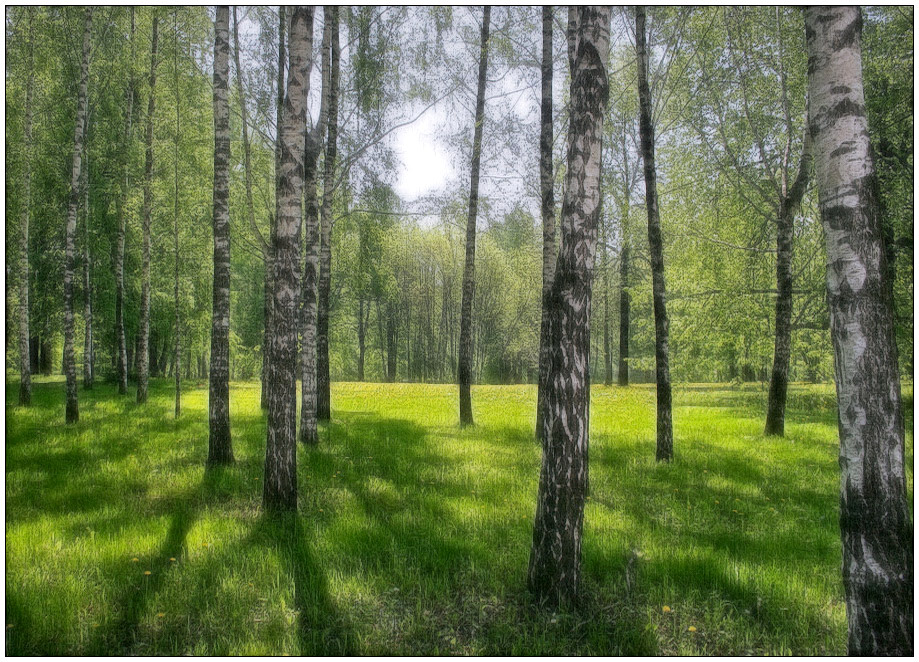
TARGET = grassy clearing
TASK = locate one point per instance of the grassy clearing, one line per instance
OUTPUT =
(414, 535)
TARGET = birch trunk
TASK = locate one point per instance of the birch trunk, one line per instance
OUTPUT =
(547, 194)
(465, 350)
(177, 349)
(25, 367)
(88, 347)
(72, 408)
(280, 484)
(625, 299)
(875, 522)
(309, 433)
(220, 449)
(656, 247)
(324, 399)
(555, 557)
(268, 305)
(121, 359)
(778, 383)
(143, 346)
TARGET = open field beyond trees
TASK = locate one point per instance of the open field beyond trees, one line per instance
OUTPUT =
(412, 535)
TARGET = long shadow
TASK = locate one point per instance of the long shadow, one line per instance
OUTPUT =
(321, 629)
(150, 571)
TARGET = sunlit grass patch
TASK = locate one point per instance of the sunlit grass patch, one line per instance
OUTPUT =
(413, 535)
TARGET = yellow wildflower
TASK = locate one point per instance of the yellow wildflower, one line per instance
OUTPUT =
(692, 628)
(665, 609)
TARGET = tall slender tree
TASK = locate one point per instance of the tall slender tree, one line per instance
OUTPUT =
(280, 484)
(121, 358)
(555, 557)
(25, 368)
(656, 246)
(324, 397)
(790, 195)
(547, 196)
(143, 344)
(268, 292)
(177, 340)
(88, 346)
(309, 433)
(220, 449)
(875, 521)
(465, 344)
(72, 408)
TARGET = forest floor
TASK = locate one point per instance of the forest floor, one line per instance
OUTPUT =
(413, 535)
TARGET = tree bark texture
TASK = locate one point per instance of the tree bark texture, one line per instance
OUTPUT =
(877, 532)
(465, 349)
(177, 348)
(88, 346)
(220, 449)
(121, 359)
(72, 413)
(268, 305)
(143, 347)
(25, 368)
(309, 433)
(555, 557)
(547, 195)
(324, 398)
(656, 247)
(625, 300)
(280, 484)
(778, 384)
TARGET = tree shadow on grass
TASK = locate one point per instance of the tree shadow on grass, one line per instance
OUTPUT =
(149, 572)
(321, 629)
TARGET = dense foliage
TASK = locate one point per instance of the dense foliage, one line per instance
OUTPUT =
(397, 263)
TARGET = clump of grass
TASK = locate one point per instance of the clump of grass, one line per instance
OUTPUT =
(413, 535)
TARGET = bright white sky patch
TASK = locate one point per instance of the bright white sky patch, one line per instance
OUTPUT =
(426, 165)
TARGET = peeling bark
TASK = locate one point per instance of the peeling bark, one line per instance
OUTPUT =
(555, 557)
(220, 450)
(280, 484)
(875, 523)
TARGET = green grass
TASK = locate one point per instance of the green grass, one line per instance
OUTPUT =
(413, 535)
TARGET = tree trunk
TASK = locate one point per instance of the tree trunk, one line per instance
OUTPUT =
(121, 360)
(778, 384)
(656, 247)
(220, 449)
(72, 408)
(465, 352)
(625, 300)
(361, 332)
(547, 194)
(309, 433)
(280, 485)
(555, 557)
(88, 347)
(25, 367)
(177, 360)
(877, 531)
(324, 399)
(143, 352)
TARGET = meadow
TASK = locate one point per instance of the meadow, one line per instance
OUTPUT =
(413, 535)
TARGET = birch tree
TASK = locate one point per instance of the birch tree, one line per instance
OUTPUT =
(656, 247)
(547, 198)
(465, 343)
(72, 408)
(143, 344)
(280, 484)
(875, 521)
(220, 450)
(25, 368)
(555, 557)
